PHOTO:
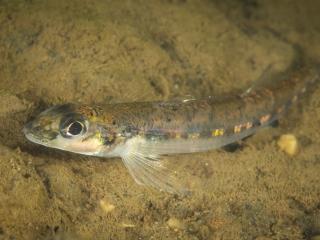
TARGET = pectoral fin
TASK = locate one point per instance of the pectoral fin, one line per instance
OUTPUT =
(148, 169)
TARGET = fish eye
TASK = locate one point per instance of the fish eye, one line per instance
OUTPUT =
(75, 128)
(72, 127)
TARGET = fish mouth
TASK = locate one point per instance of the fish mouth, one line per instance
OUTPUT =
(33, 138)
(27, 130)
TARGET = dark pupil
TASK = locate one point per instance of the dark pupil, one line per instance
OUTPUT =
(75, 128)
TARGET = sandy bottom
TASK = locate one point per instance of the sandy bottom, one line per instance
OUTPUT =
(97, 51)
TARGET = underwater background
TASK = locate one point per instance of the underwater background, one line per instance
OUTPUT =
(97, 51)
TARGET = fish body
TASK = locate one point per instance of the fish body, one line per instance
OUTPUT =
(140, 132)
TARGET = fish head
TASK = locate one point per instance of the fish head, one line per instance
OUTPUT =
(68, 127)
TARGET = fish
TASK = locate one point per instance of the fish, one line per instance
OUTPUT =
(141, 132)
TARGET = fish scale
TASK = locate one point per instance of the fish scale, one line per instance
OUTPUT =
(212, 117)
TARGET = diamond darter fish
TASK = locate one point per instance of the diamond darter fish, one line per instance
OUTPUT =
(140, 132)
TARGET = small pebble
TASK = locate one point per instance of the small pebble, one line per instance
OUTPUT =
(175, 224)
(288, 143)
(127, 225)
(107, 207)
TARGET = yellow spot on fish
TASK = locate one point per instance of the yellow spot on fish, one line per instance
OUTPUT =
(178, 135)
(237, 128)
(217, 132)
(93, 119)
(265, 118)
(194, 135)
(248, 125)
(99, 137)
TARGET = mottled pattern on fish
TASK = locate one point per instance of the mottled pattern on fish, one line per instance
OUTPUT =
(139, 132)
(207, 118)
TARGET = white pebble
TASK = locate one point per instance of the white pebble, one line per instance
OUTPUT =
(107, 207)
(288, 143)
(175, 224)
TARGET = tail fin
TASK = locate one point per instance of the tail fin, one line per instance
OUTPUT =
(302, 75)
